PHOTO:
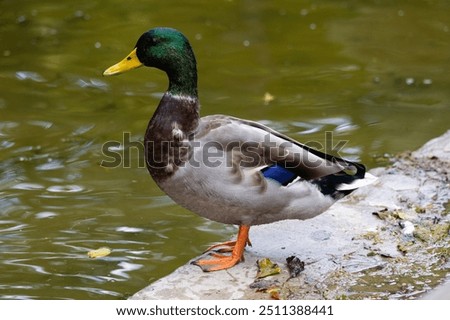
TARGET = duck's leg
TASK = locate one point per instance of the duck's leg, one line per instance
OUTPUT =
(226, 246)
(221, 262)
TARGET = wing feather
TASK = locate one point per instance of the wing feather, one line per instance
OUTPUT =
(258, 145)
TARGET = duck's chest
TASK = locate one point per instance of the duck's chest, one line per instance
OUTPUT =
(166, 149)
(168, 139)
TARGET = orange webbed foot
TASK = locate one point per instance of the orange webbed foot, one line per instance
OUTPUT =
(222, 262)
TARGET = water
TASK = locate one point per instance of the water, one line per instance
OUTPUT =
(374, 74)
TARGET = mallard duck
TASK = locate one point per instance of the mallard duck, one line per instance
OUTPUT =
(226, 169)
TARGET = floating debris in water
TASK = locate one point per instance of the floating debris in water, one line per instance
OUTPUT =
(409, 81)
(99, 253)
(268, 98)
(80, 14)
(21, 19)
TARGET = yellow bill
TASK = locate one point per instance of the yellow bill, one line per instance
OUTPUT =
(129, 63)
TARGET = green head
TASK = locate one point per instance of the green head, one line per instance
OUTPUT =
(166, 49)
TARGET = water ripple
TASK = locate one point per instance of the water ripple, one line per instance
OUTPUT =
(41, 123)
(7, 125)
(70, 188)
(45, 215)
(52, 164)
(5, 144)
(336, 121)
(28, 186)
(83, 129)
(97, 291)
(126, 267)
(17, 227)
(346, 127)
(307, 127)
(129, 229)
(21, 263)
(30, 75)
(92, 83)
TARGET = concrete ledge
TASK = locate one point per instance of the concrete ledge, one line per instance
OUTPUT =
(388, 240)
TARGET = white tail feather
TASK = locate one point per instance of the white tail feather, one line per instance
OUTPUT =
(368, 179)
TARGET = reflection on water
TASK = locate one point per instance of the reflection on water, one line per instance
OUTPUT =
(362, 74)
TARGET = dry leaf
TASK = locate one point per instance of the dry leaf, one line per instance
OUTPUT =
(274, 293)
(270, 286)
(268, 98)
(263, 285)
(295, 266)
(267, 268)
(100, 252)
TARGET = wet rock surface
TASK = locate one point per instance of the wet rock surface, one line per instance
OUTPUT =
(389, 240)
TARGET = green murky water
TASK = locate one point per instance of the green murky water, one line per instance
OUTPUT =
(373, 73)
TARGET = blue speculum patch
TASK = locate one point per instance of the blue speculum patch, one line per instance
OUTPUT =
(279, 173)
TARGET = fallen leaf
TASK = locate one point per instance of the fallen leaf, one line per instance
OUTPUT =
(383, 214)
(268, 98)
(267, 268)
(295, 266)
(270, 286)
(263, 285)
(274, 293)
(100, 252)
